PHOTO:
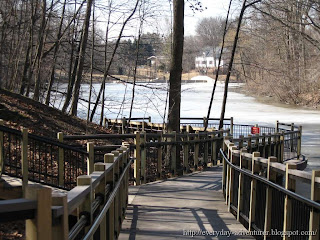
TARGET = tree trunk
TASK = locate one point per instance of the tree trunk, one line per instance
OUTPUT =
(91, 66)
(39, 51)
(217, 73)
(225, 95)
(135, 70)
(55, 55)
(75, 97)
(111, 60)
(176, 67)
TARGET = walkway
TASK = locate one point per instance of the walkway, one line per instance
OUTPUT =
(166, 209)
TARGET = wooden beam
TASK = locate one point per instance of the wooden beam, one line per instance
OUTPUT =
(271, 176)
(314, 214)
(290, 185)
(90, 159)
(252, 210)
(60, 229)
(40, 227)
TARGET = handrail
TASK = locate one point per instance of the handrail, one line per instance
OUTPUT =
(273, 185)
(98, 136)
(106, 207)
(42, 139)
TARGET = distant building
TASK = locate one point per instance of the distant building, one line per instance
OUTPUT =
(208, 60)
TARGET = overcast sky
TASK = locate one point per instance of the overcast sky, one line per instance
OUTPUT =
(214, 8)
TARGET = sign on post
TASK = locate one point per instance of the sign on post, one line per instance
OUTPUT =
(255, 130)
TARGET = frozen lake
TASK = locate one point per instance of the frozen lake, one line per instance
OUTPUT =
(150, 100)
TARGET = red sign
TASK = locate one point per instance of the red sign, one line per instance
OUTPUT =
(255, 130)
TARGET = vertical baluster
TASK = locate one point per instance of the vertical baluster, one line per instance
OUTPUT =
(314, 214)
(254, 169)
(290, 185)
(271, 176)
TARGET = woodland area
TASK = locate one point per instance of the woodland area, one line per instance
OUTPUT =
(47, 42)
(278, 52)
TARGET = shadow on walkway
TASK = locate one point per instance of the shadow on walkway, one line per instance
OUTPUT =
(179, 208)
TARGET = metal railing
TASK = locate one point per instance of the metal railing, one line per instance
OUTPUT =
(161, 155)
(46, 160)
(255, 195)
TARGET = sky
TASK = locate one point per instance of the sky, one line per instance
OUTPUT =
(159, 16)
(215, 8)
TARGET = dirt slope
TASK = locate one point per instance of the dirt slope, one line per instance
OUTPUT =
(18, 111)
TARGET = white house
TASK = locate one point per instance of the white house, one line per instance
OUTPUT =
(207, 60)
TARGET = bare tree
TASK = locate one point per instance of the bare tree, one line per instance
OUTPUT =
(176, 67)
(83, 45)
(225, 95)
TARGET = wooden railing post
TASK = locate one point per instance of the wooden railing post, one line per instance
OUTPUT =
(41, 226)
(249, 148)
(231, 177)
(314, 214)
(123, 125)
(269, 145)
(196, 152)
(24, 159)
(186, 155)
(290, 184)
(228, 173)
(109, 158)
(143, 157)
(159, 151)
(299, 142)
(85, 207)
(61, 161)
(205, 124)
(257, 142)
(253, 191)
(264, 149)
(277, 126)
(206, 150)
(122, 185)
(213, 150)
(137, 155)
(90, 159)
(241, 142)
(277, 147)
(291, 137)
(282, 146)
(240, 188)
(60, 228)
(101, 191)
(271, 176)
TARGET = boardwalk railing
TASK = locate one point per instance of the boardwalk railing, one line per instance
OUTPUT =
(284, 138)
(94, 209)
(99, 181)
(156, 154)
(260, 192)
(40, 159)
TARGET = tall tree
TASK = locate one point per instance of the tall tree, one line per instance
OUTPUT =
(176, 67)
(106, 72)
(217, 72)
(83, 46)
(233, 52)
(210, 31)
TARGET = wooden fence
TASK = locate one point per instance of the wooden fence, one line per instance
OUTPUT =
(261, 192)
(98, 181)
(94, 209)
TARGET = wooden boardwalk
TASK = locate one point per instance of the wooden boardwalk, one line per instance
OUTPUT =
(168, 209)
